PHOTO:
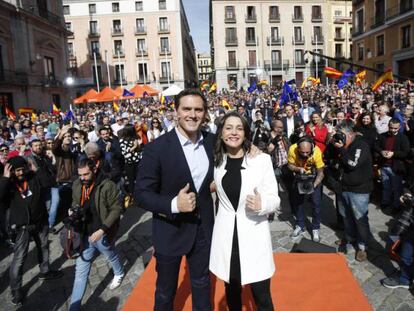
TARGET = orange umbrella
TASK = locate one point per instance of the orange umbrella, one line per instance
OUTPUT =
(107, 95)
(89, 97)
(119, 90)
(150, 90)
(138, 90)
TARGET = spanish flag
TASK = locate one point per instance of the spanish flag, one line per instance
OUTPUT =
(332, 73)
(385, 77)
(204, 86)
(34, 117)
(10, 114)
(213, 87)
(162, 99)
(225, 104)
(115, 106)
(312, 79)
(360, 76)
(54, 110)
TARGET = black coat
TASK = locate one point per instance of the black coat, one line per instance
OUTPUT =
(401, 150)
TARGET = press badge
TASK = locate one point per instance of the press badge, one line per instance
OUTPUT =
(26, 194)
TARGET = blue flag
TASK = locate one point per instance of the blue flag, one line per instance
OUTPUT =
(345, 78)
(288, 94)
(293, 81)
(252, 87)
(127, 93)
(145, 94)
(69, 115)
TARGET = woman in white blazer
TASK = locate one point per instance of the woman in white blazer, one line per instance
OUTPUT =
(241, 250)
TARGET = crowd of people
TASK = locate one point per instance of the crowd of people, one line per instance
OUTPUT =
(101, 161)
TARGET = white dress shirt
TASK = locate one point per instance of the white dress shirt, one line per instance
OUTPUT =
(290, 122)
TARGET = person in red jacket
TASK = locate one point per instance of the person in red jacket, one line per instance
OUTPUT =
(317, 130)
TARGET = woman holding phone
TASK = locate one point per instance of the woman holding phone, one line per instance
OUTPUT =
(241, 250)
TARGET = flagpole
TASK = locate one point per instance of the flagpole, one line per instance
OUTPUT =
(294, 54)
(281, 55)
(143, 67)
(257, 58)
(326, 65)
(316, 62)
(168, 68)
(96, 72)
(120, 70)
(107, 68)
(271, 60)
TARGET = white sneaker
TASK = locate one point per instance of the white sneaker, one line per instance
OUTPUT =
(315, 235)
(298, 232)
(116, 281)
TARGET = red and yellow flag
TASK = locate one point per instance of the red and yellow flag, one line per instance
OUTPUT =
(360, 76)
(385, 77)
(332, 73)
(115, 106)
(10, 114)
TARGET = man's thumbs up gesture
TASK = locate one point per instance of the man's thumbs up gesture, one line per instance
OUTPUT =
(254, 202)
(186, 201)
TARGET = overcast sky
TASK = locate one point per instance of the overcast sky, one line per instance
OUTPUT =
(197, 14)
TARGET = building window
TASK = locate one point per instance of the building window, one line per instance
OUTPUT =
(117, 27)
(360, 51)
(338, 33)
(115, 7)
(119, 73)
(297, 12)
(95, 48)
(231, 35)
(140, 25)
(165, 45)
(141, 46)
(250, 35)
(70, 49)
(359, 21)
(165, 70)
(298, 33)
(142, 72)
(251, 13)
(317, 32)
(232, 81)
(163, 24)
(274, 12)
(406, 5)
(56, 100)
(338, 50)
(316, 12)
(276, 57)
(232, 59)
(118, 46)
(66, 10)
(406, 36)
(380, 67)
(299, 57)
(229, 12)
(92, 8)
(252, 58)
(138, 6)
(68, 26)
(99, 69)
(49, 67)
(162, 4)
(93, 27)
(379, 12)
(338, 13)
(380, 45)
(274, 32)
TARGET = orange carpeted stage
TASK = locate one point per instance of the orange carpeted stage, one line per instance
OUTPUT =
(302, 282)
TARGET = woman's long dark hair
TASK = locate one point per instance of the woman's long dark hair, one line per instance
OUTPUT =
(128, 133)
(364, 114)
(220, 147)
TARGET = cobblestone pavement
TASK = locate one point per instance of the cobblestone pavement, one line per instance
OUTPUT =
(134, 246)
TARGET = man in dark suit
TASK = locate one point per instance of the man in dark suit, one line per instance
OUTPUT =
(173, 183)
(290, 121)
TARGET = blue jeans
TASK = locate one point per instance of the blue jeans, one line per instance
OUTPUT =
(355, 212)
(392, 187)
(298, 204)
(407, 261)
(83, 266)
(52, 205)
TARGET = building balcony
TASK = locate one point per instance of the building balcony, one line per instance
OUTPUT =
(274, 18)
(13, 77)
(97, 54)
(398, 10)
(71, 34)
(165, 50)
(377, 21)
(339, 55)
(275, 41)
(230, 19)
(319, 39)
(272, 65)
(300, 63)
(140, 30)
(232, 65)
(251, 42)
(50, 81)
(162, 29)
(94, 33)
(141, 52)
(71, 55)
(252, 65)
(316, 18)
(298, 40)
(141, 80)
(118, 52)
(357, 32)
(232, 42)
(117, 31)
(118, 81)
(339, 37)
(297, 18)
(165, 78)
(342, 19)
(250, 18)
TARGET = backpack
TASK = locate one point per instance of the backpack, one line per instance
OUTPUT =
(71, 241)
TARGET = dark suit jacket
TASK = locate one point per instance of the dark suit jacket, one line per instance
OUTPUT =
(295, 120)
(401, 150)
(162, 173)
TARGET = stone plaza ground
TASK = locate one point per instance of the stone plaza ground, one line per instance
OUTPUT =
(135, 248)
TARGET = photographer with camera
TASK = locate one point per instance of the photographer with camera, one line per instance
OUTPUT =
(305, 161)
(96, 202)
(355, 161)
(21, 191)
(260, 129)
(404, 231)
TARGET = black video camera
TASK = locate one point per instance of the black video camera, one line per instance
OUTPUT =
(305, 182)
(339, 137)
(76, 217)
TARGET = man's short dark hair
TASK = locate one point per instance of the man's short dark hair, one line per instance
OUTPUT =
(34, 141)
(190, 92)
(85, 162)
(394, 121)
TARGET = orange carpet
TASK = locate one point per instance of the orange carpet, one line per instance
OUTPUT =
(302, 282)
